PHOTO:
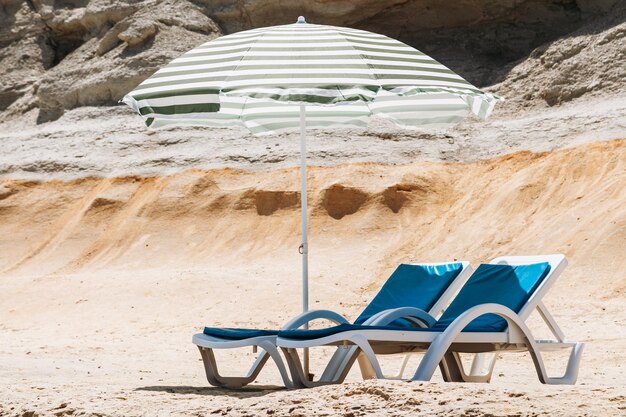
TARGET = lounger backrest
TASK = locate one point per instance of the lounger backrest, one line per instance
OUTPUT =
(508, 285)
(557, 262)
(418, 286)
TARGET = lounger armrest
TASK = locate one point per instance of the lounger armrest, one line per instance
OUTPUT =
(412, 314)
(515, 325)
(308, 316)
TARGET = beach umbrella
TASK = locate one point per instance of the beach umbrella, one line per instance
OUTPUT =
(300, 76)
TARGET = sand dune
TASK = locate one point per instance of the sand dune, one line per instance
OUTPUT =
(569, 201)
(105, 280)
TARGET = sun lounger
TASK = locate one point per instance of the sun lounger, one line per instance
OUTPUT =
(488, 315)
(416, 287)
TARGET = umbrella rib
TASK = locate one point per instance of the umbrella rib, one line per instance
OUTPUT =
(243, 55)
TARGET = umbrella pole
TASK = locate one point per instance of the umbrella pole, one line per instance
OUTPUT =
(305, 243)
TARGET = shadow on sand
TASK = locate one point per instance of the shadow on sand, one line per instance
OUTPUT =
(247, 392)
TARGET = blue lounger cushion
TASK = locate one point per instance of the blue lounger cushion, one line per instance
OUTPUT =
(300, 334)
(507, 285)
(237, 334)
(418, 286)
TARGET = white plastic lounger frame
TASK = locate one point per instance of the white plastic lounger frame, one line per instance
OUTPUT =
(442, 348)
(207, 343)
(344, 356)
(484, 362)
(342, 359)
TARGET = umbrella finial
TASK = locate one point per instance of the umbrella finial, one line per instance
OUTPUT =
(301, 19)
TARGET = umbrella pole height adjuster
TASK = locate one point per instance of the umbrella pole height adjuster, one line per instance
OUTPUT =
(302, 249)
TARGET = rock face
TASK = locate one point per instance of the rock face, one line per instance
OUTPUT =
(61, 54)
(590, 61)
(473, 37)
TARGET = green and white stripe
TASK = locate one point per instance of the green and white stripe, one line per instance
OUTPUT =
(258, 78)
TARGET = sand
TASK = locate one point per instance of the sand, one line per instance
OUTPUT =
(104, 280)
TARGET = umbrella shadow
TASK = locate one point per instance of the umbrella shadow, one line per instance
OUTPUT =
(246, 392)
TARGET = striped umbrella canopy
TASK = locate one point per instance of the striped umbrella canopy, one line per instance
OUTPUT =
(258, 78)
(285, 77)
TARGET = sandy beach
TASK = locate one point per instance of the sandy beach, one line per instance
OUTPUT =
(119, 242)
(105, 280)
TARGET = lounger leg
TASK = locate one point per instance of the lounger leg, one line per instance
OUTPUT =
(405, 362)
(210, 367)
(571, 372)
(351, 355)
(335, 372)
(451, 367)
(369, 354)
(272, 350)
(482, 367)
(400, 372)
(214, 378)
(453, 370)
(295, 368)
(338, 362)
(440, 346)
(367, 371)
